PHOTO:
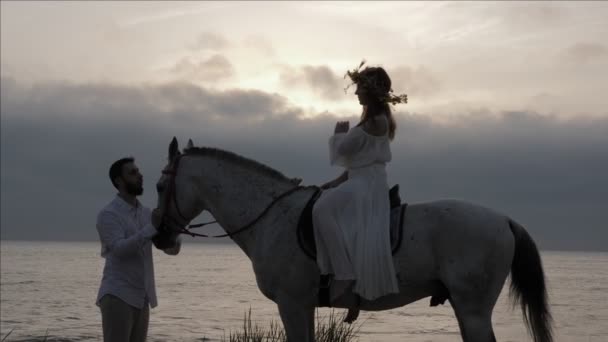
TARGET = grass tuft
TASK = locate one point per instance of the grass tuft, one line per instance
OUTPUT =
(329, 328)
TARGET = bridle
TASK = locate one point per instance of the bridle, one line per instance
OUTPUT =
(171, 195)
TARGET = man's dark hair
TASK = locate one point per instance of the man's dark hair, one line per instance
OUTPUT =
(116, 169)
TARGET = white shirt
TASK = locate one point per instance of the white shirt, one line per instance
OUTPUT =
(125, 233)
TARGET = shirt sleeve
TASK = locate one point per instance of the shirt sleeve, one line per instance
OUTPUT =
(113, 240)
(342, 146)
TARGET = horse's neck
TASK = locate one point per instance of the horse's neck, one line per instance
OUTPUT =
(235, 194)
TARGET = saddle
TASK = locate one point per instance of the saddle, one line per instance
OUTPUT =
(306, 235)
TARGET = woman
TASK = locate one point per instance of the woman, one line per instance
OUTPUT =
(352, 216)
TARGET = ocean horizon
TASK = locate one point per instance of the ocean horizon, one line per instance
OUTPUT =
(226, 240)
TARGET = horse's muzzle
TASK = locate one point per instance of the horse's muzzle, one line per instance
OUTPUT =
(165, 238)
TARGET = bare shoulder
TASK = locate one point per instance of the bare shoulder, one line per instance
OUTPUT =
(376, 126)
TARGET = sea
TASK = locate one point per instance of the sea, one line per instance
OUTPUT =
(48, 291)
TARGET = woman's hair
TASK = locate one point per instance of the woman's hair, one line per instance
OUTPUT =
(376, 82)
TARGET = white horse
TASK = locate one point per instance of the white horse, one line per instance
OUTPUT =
(450, 249)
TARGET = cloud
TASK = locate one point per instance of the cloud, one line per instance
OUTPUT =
(215, 68)
(58, 140)
(585, 53)
(539, 13)
(524, 16)
(321, 80)
(101, 102)
(260, 44)
(210, 41)
(419, 82)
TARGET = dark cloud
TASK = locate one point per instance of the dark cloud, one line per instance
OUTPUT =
(210, 41)
(182, 101)
(58, 141)
(215, 68)
(585, 53)
(320, 79)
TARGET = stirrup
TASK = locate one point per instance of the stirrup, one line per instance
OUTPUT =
(325, 281)
(358, 301)
(324, 290)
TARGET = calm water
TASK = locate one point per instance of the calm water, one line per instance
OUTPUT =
(49, 288)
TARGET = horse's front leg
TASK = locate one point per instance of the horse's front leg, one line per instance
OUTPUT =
(298, 320)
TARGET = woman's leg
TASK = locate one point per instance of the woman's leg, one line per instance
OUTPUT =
(332, 251)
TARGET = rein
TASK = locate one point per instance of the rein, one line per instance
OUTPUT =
(186, 230)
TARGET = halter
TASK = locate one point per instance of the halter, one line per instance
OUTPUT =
(186, 229)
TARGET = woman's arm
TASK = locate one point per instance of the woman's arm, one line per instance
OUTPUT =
(334, 183)
(343, 145)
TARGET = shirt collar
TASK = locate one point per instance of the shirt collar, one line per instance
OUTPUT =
(124, 205)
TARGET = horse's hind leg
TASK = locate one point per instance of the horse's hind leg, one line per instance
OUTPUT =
(299, 322)
(475, 320)
(473, 308)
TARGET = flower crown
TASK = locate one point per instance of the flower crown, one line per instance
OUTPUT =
(373, 84)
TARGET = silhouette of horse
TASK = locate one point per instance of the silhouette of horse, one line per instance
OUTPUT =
(450, 249)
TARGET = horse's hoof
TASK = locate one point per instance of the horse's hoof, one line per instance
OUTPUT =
(351, 316)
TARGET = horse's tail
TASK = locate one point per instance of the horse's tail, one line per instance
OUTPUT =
(528, 285)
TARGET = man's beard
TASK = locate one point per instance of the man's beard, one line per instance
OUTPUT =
(134, 189)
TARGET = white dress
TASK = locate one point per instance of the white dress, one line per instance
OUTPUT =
(352, 220)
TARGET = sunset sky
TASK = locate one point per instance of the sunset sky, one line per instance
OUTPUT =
(507, 100)
(548, 57)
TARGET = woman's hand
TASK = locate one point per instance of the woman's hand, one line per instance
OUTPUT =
(342, 127)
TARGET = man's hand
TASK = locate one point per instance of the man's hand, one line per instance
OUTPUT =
(157, 218)
(342, 127)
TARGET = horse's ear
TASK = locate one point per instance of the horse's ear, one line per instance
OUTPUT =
(173, 149)
(190, 144)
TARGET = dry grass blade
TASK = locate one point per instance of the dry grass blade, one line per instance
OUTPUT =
(7, 335)
(330, 328)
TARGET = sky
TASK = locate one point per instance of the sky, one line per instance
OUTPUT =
(506, 105)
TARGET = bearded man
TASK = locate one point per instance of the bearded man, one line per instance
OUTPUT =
(126, 228)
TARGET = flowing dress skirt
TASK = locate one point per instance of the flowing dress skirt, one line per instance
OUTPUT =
(352, 223)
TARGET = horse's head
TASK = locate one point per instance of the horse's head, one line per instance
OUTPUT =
(178, 199)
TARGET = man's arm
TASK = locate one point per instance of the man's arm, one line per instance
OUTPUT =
(111, 234)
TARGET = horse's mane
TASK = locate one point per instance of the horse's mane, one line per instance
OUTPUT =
(233, 157)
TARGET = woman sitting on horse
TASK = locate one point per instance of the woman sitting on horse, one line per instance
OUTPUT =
(352, 216)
